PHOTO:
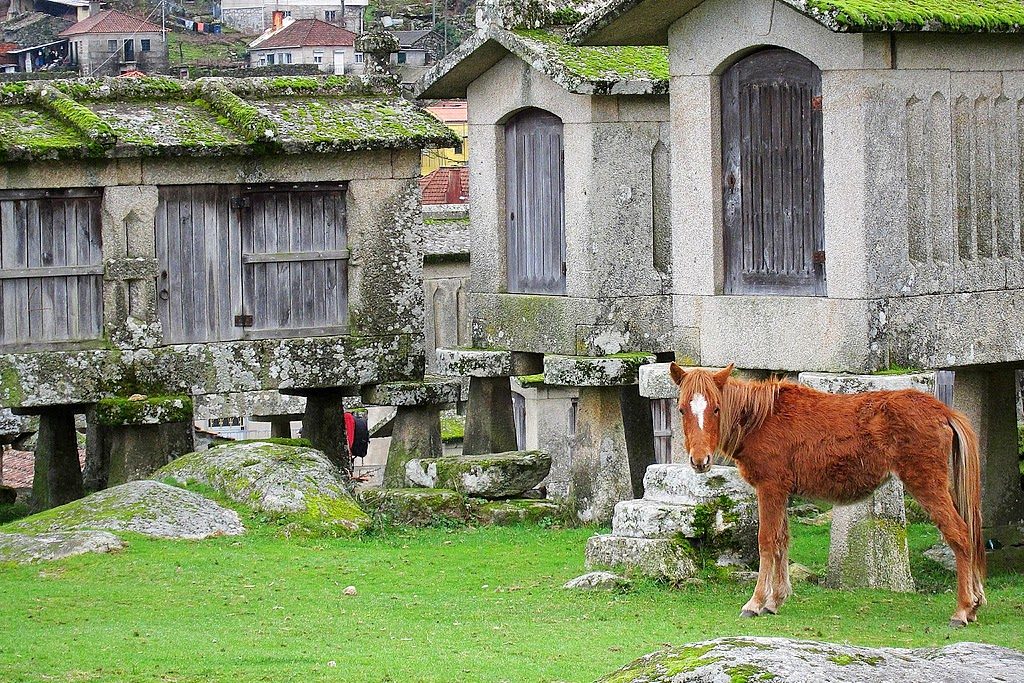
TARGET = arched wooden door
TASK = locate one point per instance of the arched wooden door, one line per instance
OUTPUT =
(535, 203)
(772, 181)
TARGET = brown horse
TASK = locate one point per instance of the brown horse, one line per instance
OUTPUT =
(788, 439)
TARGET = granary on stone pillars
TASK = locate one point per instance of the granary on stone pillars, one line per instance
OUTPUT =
(173, 250)
(847, 191)
(570, 236)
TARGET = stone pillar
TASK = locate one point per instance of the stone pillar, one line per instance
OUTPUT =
(417, 427)
(490, 421)
(868, 543)
(97, 452)
(549, 428)
(609, 459)
(323, 424)
(58, 475)
(141, 434)
(281, 429)
(868, 546)
(988, 396)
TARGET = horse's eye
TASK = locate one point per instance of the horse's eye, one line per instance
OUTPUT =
(716, 411)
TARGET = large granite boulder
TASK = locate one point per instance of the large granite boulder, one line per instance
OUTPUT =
(26, 548)
(781, 660)
(268, 477)
(144, 507)
(416, 507)
(491, 476)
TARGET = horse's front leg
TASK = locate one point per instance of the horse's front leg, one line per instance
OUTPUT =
(780, 585)
(771, 513)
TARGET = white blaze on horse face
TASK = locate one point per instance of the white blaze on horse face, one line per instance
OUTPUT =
(699, 406)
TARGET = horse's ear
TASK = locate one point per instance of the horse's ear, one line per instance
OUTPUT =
(677, 373)
(722, 376)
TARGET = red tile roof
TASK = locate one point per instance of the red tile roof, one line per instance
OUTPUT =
(111, 21)
(20, 466)
(450, 111)
(448, 185)
(308, 33)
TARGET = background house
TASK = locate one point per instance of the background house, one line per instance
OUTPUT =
(255, 16)
(454, 114)
(110, 42)
(306, 41)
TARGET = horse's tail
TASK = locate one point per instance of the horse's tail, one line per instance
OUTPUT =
(967, 484)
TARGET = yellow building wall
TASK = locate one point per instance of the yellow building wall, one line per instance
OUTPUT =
(433, 159)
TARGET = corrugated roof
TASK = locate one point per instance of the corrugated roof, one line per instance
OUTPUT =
(307, 33)
(448, 185)
(111, 21)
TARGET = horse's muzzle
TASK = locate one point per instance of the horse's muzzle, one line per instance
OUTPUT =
(703, 466)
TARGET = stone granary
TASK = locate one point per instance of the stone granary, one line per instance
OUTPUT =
(175, 249)
(570, 244)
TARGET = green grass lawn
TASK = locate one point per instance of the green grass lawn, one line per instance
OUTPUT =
(432, 605)
(206, 49)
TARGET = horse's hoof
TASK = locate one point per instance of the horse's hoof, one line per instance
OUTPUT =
(748, 614)
(957, 623)
(765, 611)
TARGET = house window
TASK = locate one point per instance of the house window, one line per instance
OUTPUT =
(270, 59)
(401, 58)
(145, 44)
(458, 147)
(330, 15)
(286, 58)
(287, 13)
(318, 57)
(111, 46)
(359, 58)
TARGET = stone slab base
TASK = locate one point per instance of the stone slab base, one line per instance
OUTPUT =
(491, 476)
(681, 485)
(510, 512)
(651, 519)
(415, 507)
(594, 371)
(657, 558)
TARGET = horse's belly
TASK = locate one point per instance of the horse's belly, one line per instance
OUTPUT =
(845, 488)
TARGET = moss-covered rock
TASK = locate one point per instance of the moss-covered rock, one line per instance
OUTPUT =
(416, 507)
(491, 476)
(120, 411)
(144, 507)
(756, 660)
(296, 482)
(27, 548)
(509, 512)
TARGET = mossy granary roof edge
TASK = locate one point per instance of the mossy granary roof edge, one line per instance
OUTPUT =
(579, 70)
(158, 116)
(644, 22)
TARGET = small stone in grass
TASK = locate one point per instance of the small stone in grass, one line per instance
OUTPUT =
(350, 590)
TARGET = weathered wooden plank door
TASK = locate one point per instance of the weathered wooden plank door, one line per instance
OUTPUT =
(51, 267)
(535, 203)
(197, 244)
(772, 175)
(295, 260)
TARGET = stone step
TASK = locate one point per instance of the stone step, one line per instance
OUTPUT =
(657, 558)
(682, 485)
(652, 519)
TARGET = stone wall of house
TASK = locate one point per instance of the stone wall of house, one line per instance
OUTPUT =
(383, 343)
(97, 60)
(923, 198)
(616, 295)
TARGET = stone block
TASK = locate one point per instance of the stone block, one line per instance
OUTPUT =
(415, 507)
(594, 371)
(143, 410)
(427, 392)
(841, 383)
(12, 426)
(496, 475)
(650, 519)
(509, 512)
(57, 478)
(868, 543)
(597, 581)
(455, 362)
(135, 451)
(682, 485)
(323, 424)
(658, 558)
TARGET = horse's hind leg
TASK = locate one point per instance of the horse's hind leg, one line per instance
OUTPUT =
(771, 511)
(935, 498)
(780, 585)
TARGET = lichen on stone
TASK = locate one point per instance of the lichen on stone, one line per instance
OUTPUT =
(118, 411)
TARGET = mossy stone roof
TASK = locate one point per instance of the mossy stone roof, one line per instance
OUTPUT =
(639, 22)
(156, 116)
(581, 70)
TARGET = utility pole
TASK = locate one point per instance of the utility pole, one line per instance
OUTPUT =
(163, 20)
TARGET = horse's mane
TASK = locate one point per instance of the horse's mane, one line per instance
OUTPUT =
(743, 405)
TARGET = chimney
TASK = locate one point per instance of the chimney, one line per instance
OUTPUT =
(94, 7)
(278, 19)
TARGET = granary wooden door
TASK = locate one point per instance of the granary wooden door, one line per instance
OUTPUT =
(295, 260)
(197, 245)
(535, 203)
(772, 181)
(51, 267)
